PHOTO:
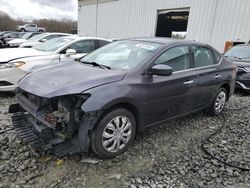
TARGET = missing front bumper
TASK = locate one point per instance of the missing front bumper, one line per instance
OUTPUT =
(32, 125)
(42, 137)
(24, 130)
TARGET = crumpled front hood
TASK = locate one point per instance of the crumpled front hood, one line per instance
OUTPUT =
(9, 54)
(67, 78)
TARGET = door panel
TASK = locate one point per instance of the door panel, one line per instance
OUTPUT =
(170, 96)
(208, 76)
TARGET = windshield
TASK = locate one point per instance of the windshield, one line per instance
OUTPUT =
(5, 33)
(241, 52)
(122, 55)
(26, 36)
(53, 44)
(37, 37)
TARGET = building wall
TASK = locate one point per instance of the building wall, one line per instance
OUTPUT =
(217, 21)
(210, 21)
(124, 18)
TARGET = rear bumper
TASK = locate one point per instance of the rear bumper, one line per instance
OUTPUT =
(241, 85)
(243, 81)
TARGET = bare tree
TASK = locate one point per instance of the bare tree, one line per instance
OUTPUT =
(52, 25)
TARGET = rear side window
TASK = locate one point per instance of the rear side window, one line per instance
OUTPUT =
(53, 36)
(217, 57)
(178, 58)
(102, 43)
(202, 56)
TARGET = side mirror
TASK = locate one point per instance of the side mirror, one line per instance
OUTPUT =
(70, 52)
(161, 70)
(43, 40)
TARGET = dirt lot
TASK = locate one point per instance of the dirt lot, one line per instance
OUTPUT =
(169, 155)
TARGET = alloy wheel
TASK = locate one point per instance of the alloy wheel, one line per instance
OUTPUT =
(220, 101)
(116, 134)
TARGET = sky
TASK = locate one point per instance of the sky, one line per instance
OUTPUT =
(38, 9)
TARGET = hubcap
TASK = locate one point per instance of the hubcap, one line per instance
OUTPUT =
(220, 101)
(116, 134)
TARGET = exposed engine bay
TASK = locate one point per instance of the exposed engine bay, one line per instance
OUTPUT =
(57, 124)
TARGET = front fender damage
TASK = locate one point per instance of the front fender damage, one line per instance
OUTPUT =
(85, 129)
(81, 141)
(56, 125)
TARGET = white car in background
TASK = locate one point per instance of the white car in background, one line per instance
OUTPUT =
(30, 28)
(57, 51)
(41, 38)
(24, 38)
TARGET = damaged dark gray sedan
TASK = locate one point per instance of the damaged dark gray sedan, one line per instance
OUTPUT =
(102, 101)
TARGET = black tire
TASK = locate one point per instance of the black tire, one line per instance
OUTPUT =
(212, 110)
(22, 30)
(97, 135)
(40, 31)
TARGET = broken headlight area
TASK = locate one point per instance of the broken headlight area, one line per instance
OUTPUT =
(48, 123)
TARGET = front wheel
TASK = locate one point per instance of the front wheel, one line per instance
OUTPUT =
(22, 30)
(219, 102)
(114, 134)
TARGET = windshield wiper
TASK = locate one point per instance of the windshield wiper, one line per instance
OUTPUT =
(94, 64)
(234, 57)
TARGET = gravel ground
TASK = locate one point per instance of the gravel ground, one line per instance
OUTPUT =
(169, 155)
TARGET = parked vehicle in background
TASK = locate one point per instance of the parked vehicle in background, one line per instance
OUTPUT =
(41, 38)
(117, 91)
(53, 52)
(30, 28)
(74, 31)
(24, 38)
(10, 36)
(240, 55)
(4, 33)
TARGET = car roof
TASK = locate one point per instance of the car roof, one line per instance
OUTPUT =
(247, 45)
(95, 38)
(76, 37)
(48, 33)
(166, 41)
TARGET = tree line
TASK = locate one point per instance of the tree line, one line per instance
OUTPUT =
(7, 23)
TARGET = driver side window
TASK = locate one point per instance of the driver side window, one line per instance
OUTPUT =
(178, 58)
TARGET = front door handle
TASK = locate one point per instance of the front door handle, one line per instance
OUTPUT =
(188, 82)
(217, 76)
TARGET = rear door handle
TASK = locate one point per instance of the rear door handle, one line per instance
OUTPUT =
(217, 76)
(188, 82)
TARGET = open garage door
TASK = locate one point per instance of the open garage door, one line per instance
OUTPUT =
(172, 23)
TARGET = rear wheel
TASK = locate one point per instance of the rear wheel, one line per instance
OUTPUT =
(219, 102)
(114, 134)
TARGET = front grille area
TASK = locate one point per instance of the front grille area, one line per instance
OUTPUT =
(4, 83)
(30, 120)
(24, 130)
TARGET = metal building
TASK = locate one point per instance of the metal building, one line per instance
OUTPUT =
(210, 21)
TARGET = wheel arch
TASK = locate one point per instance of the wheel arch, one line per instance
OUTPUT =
(228, 89)
(125, 105)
